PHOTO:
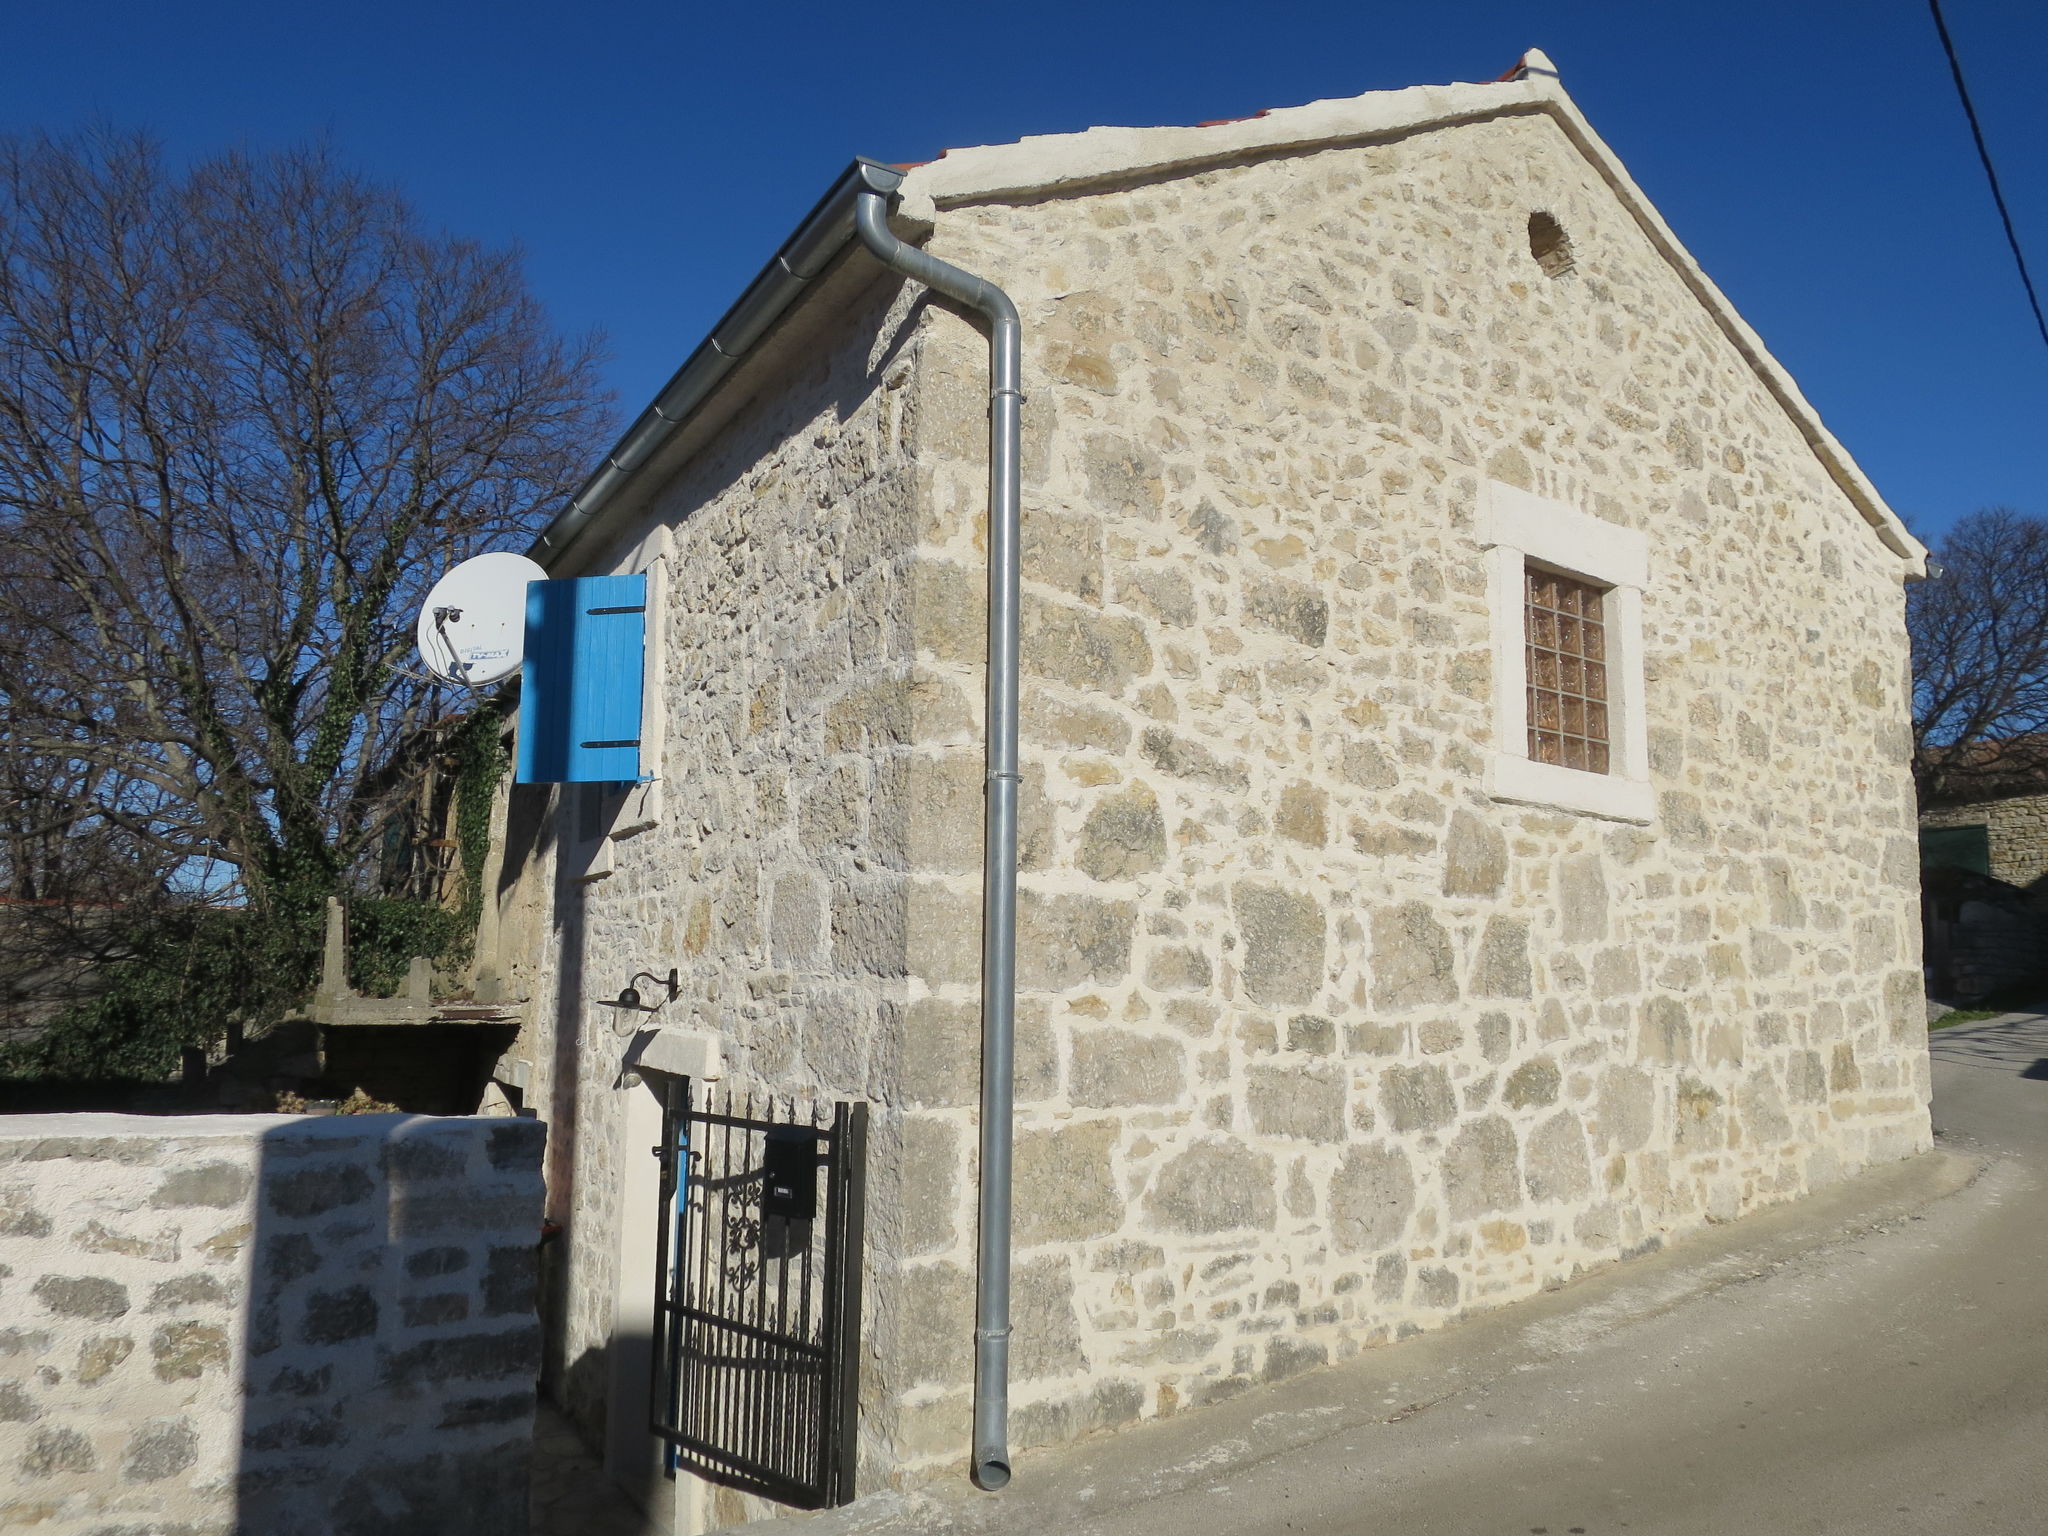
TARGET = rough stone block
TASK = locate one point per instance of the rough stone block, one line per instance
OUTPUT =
(1502, 969)
(190, 1291)
(1418, 1098)
(935, 1326)
(318, 1190)
(1067, 939)
(1284, 943)
(1475, 857)
(1533, 1084)
(213, 1185)
(1311, 1033)
(1412, 962)
(19, 1216)
(419, 1157)
(929, 1184)
(462, 1357)
(1095, 652)
(516, 1146)
(941, 1054)
(469, 1412)
(1288, 608)
(1558, 1168)
(1304, 1102)
(187, 1351)
(511, 1279)
(160, 1448)
(1372, 1195)
(1123, 837)
(99, 1357)
(1065, 1189)
(288, 1256)
(871, 926)
(434, 1311)
(1303, 815)
(440, 1260)
(1046, 1336)
(57, 1450)
(1481, 1172)
(91, 1297)
(1116, 1067)
(1214, 1186)
(1188, 759)
(1582, 899)
(1178, 968)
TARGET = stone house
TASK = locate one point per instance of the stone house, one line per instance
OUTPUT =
(1464, 825)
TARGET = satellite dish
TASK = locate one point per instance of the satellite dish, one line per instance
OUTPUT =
(472, 627)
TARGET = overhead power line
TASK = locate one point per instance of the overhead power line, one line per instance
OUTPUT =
(2012, 238)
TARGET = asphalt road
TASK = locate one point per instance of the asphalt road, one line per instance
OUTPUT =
(1872, 1360)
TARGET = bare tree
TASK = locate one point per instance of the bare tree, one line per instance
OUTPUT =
(1980, 658)
(248, 411)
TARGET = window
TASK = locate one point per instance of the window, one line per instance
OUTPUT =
(1566, 662)
(1566, 592)
(1550, 245)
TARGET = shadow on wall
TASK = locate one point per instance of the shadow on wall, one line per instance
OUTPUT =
(391, 1347)
(267, 1325)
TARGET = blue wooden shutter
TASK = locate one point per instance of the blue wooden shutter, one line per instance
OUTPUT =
(580, 693)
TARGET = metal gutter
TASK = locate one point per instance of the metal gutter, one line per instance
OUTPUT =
(999, 840)
(858, 205)
(824, 233)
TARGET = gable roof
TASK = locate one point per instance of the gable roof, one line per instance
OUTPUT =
(1088, 161)
(667, 431)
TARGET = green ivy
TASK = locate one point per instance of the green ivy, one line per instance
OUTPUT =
(385, 932)
(481, 762)
(182, 978)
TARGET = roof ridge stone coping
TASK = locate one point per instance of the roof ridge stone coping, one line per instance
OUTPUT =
(1095, 159)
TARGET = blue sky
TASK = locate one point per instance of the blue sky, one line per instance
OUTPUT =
(650, 157)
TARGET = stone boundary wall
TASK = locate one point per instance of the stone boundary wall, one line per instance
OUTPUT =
(2018, 832)
(267, 1324)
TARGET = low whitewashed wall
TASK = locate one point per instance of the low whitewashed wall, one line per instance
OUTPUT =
(267, 1323)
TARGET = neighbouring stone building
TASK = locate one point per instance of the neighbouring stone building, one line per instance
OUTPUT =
(1348, 1006)
(1983, 856)
(2014, 833)
(224, 1325)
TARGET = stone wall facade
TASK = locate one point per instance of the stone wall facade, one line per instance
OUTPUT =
(1319, 1044)
(2017, 830)
(232, 1325)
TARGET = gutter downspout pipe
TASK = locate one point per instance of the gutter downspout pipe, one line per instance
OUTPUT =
(999, 844)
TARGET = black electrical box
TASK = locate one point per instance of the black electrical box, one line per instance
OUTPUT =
(790, 1173)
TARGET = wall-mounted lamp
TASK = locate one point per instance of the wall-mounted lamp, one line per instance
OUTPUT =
(629, 998)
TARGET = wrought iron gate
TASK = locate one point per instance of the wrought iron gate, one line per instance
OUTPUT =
(757, 1318)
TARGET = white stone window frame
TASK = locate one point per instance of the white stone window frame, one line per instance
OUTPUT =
(1518, 528)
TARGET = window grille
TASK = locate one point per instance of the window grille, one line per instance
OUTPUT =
(1567, 648)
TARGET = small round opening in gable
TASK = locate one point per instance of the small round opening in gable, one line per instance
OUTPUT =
(1550, 245)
